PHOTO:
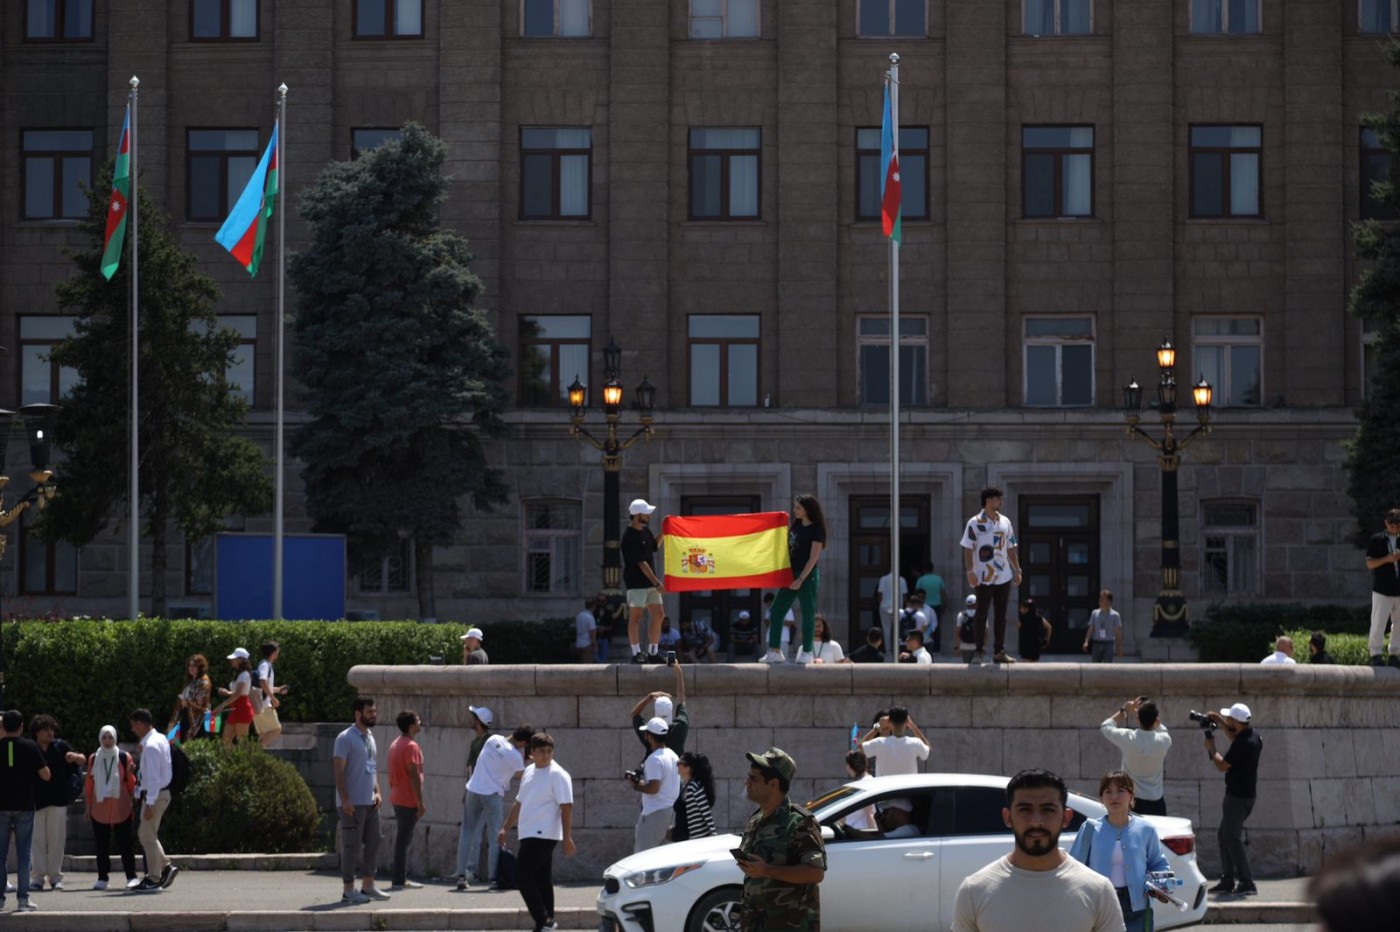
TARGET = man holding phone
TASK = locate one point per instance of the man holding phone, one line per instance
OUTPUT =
(781, 852)
(671, 709)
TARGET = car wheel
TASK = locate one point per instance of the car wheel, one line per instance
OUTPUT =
(717, 911)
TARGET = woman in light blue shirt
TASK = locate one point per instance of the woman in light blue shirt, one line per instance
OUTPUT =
(1122, 847)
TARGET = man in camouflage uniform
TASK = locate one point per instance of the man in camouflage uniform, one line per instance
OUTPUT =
(785, 855)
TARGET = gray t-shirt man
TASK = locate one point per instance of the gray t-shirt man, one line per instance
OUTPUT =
(358, 750)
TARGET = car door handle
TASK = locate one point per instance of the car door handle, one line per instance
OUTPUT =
(918, 856)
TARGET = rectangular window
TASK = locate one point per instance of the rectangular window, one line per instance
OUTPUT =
(1058, 17)
(555, 173)
(1224, 17)
(892, 18)
(57, 167)
(199, 559)
(388, 19)
(1225, 171)
(1377, 16)
(40, 381)
(724, 19)
(562, 18)
(1231, 534)
(387, 574)
(58, 20)
(554, 351)
(724, 173)
(1375, 166)
(1229, 353)
(1059, 363)
(241, 372)
(371, 137)
(913, 173)
(218, 164)
(223, 20)
(1057, 171)
(724, 360)
(47, 569)
(873, 345)
(553, 547)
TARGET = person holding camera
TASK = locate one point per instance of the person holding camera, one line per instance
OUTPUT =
(670, 710)
(1144, 751)
(659, 782)
(1240, 764)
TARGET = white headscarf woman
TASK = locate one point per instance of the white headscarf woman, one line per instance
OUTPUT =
(106, 766)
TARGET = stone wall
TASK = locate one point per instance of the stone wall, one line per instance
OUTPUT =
(1330, 773)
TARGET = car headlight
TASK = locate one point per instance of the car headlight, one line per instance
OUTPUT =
(659, 875)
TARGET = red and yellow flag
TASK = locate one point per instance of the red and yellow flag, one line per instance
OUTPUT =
(727, 552)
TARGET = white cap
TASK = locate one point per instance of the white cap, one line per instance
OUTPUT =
(483, 713)
(899, 802)
(744, 614)
(1239, 712)
(971, 600)
(474, 633)
(239, 653)
(664, 708)
(656, 726)
(640, 506)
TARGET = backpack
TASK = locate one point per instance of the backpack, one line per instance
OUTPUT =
(179, 770)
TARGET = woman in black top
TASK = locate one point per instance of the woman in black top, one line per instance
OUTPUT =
(806, 538)
(694, 818)
(1034, 631)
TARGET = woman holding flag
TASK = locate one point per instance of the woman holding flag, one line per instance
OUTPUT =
(191, 711)
(806, 538)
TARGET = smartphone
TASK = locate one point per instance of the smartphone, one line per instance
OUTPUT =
(739, 854)
(670, 658)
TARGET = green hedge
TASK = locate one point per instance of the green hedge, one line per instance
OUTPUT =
(1346, 649)
(1245, 632)
(93, 673)
(242, 800)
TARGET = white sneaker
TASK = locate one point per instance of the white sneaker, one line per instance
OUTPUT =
(100, 885)
(773, 656)
(803, 656)
(353, 896)
(374, 893)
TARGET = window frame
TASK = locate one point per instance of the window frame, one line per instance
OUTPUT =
(60, 21)
(1058, 33)
(556, 376)
(723, 22)
(405, 556)
(916, 341)
(226, 23)
(892, 4)
(1367, 207)
(1059, 153)
(556, 157)
(223, 156)
(1226, 173)
(55, 371)
(723, 373)
(58, 156)
(1230, 532)
(356, 151)
(1392, 5)
(245, 344)
(27, 540)
(390, 17)
(1059, 343)
(1221, 398)
(914, 151)
(554, 34)
(552, 536)
(726, 156)
(1225, 19)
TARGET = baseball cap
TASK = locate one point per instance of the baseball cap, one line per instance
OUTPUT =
(774, 759)
(1239, 712)
(656, 726)
(483, 713)
(745, 615)
(899, 802)
(239, 653)
(664, 708)
(971, 600)
(474, 633)
(640, 506)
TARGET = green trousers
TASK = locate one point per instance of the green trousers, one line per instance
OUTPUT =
(783, 601)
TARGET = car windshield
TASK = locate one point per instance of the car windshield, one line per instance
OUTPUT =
(828, 798)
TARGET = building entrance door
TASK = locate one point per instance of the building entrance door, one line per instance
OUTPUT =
(1059, 549)
(870, 554)
(719, 606)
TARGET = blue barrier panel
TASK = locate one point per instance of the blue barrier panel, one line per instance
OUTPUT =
(313, 578)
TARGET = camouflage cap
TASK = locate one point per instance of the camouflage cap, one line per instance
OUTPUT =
(774, 759)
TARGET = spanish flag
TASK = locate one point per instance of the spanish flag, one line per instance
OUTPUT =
(727, 552)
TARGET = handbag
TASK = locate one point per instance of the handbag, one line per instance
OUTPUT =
(505, 870)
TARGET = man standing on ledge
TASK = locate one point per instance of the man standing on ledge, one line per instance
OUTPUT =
(1383, 560)
(639, 578)
(1240, 765)
(784, 857)
(993, 567)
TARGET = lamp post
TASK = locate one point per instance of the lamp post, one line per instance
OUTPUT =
(1169, 613)
(611, 446)
(37, 419)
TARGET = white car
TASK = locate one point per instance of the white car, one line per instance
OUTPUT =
(694, 886)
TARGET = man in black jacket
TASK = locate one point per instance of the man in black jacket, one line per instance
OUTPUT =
(22, 765)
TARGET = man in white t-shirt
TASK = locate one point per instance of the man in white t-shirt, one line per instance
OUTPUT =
(993, 567)
(267, 723)
(1283, 652)
(659, 785)
(544, 812)
(586, 630)
(895, 750)
(1144, 751)
(914, 649)
(889, 602)
(1036, 886)
(483, 807)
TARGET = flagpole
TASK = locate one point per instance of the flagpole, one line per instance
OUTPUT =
(281, 318)
(893, 648)
(134, 567)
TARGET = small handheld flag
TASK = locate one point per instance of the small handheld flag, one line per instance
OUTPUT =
(117, 205)
(245, 230)
(173, 735)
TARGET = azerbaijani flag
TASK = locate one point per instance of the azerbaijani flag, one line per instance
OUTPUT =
(117, 206)
(727, 552)
(889, 175)
(245, 229)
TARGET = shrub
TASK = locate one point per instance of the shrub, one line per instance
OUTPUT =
(241, 800)
(1244, 632)
(1346, 649)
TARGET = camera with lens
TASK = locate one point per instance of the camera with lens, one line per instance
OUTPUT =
(634, 775)
(1202, 719)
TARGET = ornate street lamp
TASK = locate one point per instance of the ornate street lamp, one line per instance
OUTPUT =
(38, 422)
(1169, 613)
(612, 446)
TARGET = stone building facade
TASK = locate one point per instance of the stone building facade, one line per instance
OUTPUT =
(1094, 181)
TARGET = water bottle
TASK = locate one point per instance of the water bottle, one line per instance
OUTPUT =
(1164, 882)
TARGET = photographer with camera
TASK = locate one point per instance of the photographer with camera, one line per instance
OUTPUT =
(1240, 764)
(659, 782)
(1144, 751)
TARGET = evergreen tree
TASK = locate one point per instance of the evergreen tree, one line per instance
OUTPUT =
(195, 468)
(400, 374)
(1373, 480)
